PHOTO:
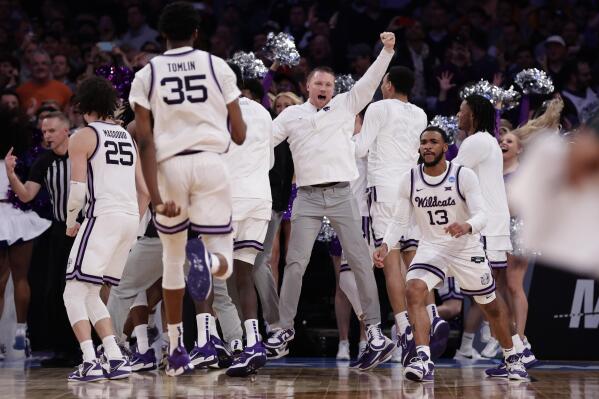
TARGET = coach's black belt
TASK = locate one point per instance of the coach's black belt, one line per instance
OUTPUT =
(325, 185)
(188, 152)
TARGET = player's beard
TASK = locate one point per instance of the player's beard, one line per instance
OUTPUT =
(434, 161)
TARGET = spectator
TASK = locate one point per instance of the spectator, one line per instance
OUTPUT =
(42, 87)
(416, 56)
(9, 71)
(360, 57)
(221, 42)
(139, 32)
(106, 29)
(319, 51)
(555, 59)
(577, 89)
(61, 70)
(483, 65)
(9, 100)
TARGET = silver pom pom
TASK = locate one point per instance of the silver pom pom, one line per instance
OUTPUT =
(251, 67)
(343, 83)
(449, 124)
(499, 97)
(534, 81)
(281, 48)
(510, 98)
(518, 247)
(327, 233)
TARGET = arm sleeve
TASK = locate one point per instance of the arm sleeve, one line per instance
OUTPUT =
(361, 94)
(472, 151)
(470, 189)
(401, 219)
(226, 79)
(140, 88)
(369, 131)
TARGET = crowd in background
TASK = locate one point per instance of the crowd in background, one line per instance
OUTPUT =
(48, 47)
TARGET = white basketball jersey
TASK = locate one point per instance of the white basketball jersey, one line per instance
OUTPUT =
(111, 172)
(187, 102)
(438, 205)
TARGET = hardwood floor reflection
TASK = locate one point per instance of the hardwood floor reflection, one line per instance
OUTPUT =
(312, 378)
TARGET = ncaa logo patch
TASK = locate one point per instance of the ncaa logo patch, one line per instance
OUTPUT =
(451, 179)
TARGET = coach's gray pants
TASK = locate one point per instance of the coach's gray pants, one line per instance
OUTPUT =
(263, 278)
(339, 205)
(143, 268)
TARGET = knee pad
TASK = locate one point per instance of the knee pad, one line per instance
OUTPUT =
(221, 244)
(173, 259)
(94, 305)
(140, 300)
(74, 301)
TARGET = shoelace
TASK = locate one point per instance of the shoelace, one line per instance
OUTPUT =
(375, 333)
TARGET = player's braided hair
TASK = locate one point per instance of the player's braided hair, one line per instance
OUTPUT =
(483, 113)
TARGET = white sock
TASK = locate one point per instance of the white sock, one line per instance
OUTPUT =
(175, 336)
(425, 349)
(466, 345)
(432, 311)
(111, 349)
(401, 319)
(141, 332)
(252, 334)
(87, 348)
(509, 352)
(21, 329)
(518, 344)
(213, 330)
(203, 323)
(526, 343)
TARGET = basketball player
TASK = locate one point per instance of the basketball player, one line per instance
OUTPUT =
(480, 152)
(449, 210)
(390, 137)
(103, 163)
(182, 101)
(252, 205)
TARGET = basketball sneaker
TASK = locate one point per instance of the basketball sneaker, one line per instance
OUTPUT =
(20, 343)
(396, 355)
(272, 354)
(420, 369)
(528, 358)
(224, 356)
(460, 355)
(439, 337)
(115, 369)
(362, 349)
(236, 347)
(372, 358)
(511, 368)
(203, 356)
(199, 277)
(343, 350)
(178, 363)
(251, 359)
(143, 361)
(492, 349)
(407, 345)
(279, 337)
(88, 372)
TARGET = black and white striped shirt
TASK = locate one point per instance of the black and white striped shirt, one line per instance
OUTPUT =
(54, 172)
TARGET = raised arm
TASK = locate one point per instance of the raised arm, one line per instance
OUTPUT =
(26, 192)
(363, 91)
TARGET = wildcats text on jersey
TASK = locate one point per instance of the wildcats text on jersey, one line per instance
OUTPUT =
(432, 202)
(115, 134)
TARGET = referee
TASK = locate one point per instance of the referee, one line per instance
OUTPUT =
(52, 169)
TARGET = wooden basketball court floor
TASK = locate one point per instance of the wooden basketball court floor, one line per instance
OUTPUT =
(317, 378)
